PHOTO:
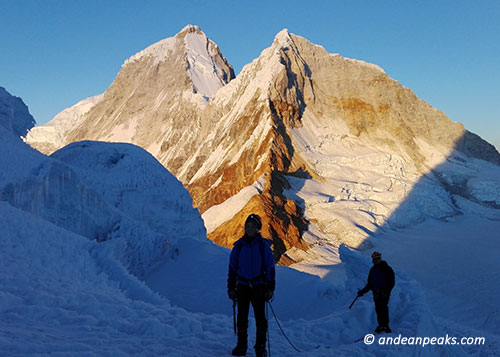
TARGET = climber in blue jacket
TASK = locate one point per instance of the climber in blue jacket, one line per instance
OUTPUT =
(251, 279)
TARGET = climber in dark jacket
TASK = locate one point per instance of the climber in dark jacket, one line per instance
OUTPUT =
(251, 279)
(380, 282)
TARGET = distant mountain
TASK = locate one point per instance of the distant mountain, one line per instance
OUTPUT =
(52, 136)
(158, 91)
(328, 150)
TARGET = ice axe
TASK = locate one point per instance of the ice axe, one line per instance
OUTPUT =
(352, 303)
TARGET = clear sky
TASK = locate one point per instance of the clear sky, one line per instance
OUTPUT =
(56, 53)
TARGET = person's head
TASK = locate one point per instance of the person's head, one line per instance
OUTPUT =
(252, 225)
(376, 257)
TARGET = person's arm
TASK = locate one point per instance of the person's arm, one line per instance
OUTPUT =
(270, 271)
(363, 291)
(367, 286)
(231, 274)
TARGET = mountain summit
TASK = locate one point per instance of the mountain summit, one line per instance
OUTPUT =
(204, 64)
(328, 150)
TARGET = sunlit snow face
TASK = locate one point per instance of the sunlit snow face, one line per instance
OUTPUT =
(251, 229)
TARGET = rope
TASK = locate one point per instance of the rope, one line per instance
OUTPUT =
(283, 332)
(487, 319)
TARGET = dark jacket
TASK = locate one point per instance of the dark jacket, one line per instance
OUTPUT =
(251, 262)
(380, 279)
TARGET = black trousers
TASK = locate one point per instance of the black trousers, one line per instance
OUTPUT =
(255, 296)
(381, 308)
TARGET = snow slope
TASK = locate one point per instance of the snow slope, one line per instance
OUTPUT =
(65, 294)
(104, 192)
(206, 74)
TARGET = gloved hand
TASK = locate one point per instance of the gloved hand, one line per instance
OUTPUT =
(268, 294)
(232, 294)
(360, 293)
(269, 290)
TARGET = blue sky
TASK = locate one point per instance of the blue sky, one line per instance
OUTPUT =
(55, 53)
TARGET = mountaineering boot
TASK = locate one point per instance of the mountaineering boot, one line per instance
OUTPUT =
(260, 351)
(241, 345)
(239, 350)
(380, 329)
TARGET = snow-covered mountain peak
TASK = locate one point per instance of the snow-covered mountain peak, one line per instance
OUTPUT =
(190, 28)
(282, 37)
(160, 50)
(207, 69)
(257, 76)
(254, 78)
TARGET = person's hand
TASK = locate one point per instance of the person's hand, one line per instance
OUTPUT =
(269, 290)
(268, 294)
(360, 293)
(232, 294)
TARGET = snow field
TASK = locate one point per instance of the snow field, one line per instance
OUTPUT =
(62, 295)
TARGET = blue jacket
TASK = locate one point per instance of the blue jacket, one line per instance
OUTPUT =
(251, 262)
